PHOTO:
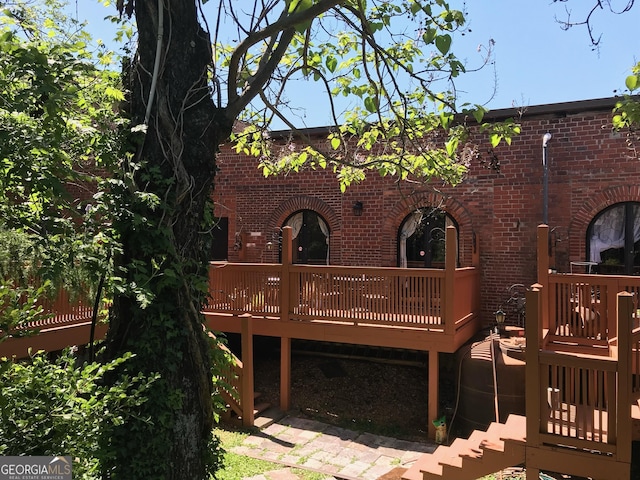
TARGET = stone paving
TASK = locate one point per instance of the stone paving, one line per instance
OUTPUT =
(330, 450)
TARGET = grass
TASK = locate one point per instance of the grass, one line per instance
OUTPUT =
(237, 467)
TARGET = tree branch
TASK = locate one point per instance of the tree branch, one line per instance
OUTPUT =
(283, 27)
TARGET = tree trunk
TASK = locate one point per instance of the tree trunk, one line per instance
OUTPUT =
(164, 250)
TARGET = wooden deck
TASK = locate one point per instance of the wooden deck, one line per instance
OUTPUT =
(418, 309)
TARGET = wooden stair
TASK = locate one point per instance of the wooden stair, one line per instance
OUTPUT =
(231, 414)
(501, 446)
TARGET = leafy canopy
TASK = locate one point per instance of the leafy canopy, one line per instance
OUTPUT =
(391, 61)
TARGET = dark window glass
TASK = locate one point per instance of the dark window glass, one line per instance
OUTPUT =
(423, 234)
(613, 240)
(311, 237)
(220, 240)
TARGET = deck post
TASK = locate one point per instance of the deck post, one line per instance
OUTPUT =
(451, 258)
(433, 400)
(543, 272)
(533, 331)
(285, 309)
(285, 373)
(285, 277)
(247, 395)
(625, 327)
(612, 304)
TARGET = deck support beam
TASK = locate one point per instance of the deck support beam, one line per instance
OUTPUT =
(433, 402)
(247, 400)
(285, 374)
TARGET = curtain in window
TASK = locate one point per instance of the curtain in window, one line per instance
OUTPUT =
(295, 222)
(325, 231)
(410, 226)
(636, 223)
(608, 232)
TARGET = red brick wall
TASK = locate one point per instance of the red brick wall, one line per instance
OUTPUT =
(590, 168)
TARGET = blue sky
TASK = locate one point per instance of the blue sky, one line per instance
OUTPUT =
(536, 62)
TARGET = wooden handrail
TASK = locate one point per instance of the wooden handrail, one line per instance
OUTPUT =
(382, 295)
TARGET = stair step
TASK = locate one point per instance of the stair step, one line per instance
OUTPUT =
(492, 439)
(268, 417)
(258, 408)
(461, 448)
(475, 439)
(515, 429)
(414, 472)
(429, 463)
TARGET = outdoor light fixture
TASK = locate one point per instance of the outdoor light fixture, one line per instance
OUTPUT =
(500, 316)
(357, 208)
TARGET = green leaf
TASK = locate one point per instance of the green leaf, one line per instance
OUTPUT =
(443, 43)
(478, 114)
(429, 35)
(331, 62)
(335, 143)
(371, 104)
(631, 82)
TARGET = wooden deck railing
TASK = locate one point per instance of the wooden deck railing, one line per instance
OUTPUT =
(582, 307)
(582, 370)
(579, 311)
(63, 309)
(578, 402)
(420, 298)
(390, 296)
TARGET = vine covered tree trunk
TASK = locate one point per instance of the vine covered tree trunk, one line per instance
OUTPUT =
(164, 201)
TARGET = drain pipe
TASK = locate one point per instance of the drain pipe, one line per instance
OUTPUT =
(545, 179)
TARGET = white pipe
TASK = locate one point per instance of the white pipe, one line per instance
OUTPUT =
(545, 179)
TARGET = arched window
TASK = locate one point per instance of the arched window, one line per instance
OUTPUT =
(310, 237)
(613, 239)
(421, 239)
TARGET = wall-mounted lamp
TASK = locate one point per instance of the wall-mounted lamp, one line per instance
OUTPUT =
(269, 246)
(500, 317)
(357, 208)
(237, 244)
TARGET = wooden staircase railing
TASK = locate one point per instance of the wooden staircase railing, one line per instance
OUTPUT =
(235, 382)
(229, 381)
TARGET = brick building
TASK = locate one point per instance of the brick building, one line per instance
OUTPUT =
(592, 199)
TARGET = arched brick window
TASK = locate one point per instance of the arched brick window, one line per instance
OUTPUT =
(613, 239)
(310, 237)
(421, 238)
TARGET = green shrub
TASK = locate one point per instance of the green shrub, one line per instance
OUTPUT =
(59, 407)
